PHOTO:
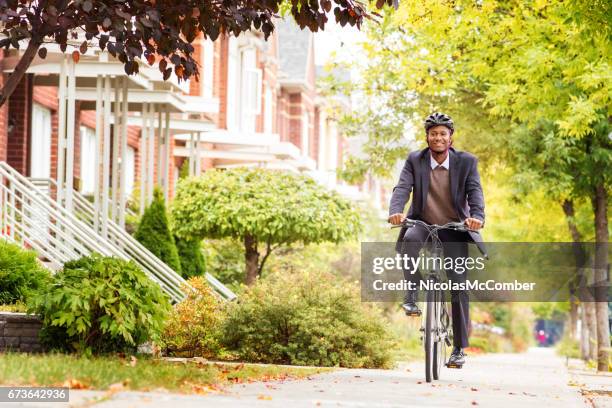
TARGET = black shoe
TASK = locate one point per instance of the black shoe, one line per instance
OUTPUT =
(409, 305)
(457, 358)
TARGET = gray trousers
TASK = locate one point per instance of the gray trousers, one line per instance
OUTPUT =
(455, 244)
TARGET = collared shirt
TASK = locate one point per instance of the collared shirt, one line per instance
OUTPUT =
(445, 163)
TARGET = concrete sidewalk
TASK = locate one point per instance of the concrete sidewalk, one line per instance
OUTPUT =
(538, 378)
(534, 379)
(595, 387)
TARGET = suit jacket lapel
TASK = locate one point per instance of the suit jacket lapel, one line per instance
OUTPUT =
(453, 174)
(425, 170)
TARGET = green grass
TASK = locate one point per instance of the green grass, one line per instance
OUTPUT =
(141, 374)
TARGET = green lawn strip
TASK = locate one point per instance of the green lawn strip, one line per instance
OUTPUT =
(143, 374)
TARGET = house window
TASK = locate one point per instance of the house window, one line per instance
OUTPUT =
(305, 134)
(88, 160)
(40, 149)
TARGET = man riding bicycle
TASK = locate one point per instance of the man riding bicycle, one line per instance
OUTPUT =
(445, 187)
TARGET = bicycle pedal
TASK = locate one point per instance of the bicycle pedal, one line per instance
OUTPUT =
(413, 314)
(457, 366)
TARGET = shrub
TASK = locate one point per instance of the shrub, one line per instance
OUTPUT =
(190, 255)
(97, 304)
(153, 232)
(568, 347)
(193, 326)
(20, 273)
(306, 318)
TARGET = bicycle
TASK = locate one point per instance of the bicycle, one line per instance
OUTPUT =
(435, 324)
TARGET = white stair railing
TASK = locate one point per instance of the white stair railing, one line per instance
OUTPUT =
(30, 217)
(119, 237)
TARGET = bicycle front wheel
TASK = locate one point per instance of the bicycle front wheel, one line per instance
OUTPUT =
(430, 328)
(439, 347)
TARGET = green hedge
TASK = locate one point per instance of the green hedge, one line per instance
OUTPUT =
(20, 273)
(306, 318)
(97, 304)
(191, 258)
(153, 232)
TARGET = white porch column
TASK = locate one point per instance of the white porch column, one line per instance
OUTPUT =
(143, 156)
(115, 162)
(161, 142)
(167, 154)
(98, 150)
(198, 160)
(151, 153)
(191, 154)
(106, 155)
(123, 133)
(70, 122)
(61, 132)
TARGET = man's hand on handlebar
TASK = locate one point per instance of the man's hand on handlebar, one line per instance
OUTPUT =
(473, 223)
(396, 219)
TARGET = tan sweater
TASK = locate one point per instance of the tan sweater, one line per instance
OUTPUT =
(439, 208)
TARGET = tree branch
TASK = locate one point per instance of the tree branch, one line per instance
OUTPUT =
(20, 69)
(269, 249)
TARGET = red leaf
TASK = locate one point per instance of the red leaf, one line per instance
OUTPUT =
(83, 47)
(76, 56)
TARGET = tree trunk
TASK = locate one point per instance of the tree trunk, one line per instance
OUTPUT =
(592, 329)
(600, 202)
(20, 69)
(585, 344)
(573, 318)
(252, 259)
(579, 256)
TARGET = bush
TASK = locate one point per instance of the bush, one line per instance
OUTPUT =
(20, 273)
(97, 304)
(306, 318)
(190, 255)
(153, 232)
(193, 326)
(568, 347)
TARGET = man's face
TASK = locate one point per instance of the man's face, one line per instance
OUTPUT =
(439, 139)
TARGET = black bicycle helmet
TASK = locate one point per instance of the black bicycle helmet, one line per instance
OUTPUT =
(438, 118)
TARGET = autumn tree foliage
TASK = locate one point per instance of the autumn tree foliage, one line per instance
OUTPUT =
(152, 30)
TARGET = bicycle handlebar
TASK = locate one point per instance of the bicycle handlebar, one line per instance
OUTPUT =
(457, 226)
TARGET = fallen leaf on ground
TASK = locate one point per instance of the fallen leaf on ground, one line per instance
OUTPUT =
(133, 361)
(264, 397)
(74, 384)
(473, 389)
(474, 403)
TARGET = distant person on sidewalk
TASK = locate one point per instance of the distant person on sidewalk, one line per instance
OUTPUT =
(445, 187)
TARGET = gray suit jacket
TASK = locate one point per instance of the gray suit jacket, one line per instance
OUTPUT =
(466, 190)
